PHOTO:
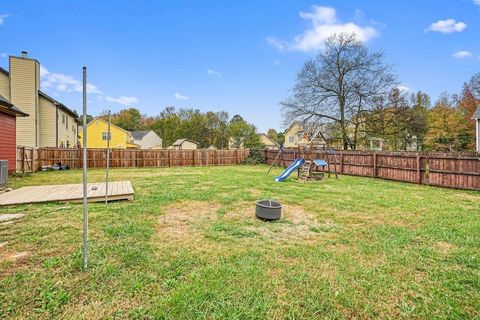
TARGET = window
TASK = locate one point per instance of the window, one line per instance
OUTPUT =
(66, 124)
(105, 135)
(291, 139)
(63, 118)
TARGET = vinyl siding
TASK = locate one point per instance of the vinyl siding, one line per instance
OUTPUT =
(291, 136)
(267, 142)
(8, 148)
(4, 85)
(66, 136)
(187, 145)
(48, 134)
(94, 135)
(24, 83)
(150, 140)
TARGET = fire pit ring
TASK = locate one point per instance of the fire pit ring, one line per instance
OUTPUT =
(268, 209)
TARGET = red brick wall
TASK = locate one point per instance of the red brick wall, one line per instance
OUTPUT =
(8, 146)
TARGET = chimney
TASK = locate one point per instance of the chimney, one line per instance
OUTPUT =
(24, 54)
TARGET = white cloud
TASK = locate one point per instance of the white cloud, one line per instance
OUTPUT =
(125, 101)
(2, 18)
(476, 2)
(324, 25)
(3, 54)
(64, 83)
(404, 89)
(447, 26)
(213, 73)
(276, 62)
(179, 96)
(462, 54)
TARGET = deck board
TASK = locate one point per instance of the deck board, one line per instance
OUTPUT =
(117, 190)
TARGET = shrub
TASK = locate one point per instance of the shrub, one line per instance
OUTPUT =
(255, 157)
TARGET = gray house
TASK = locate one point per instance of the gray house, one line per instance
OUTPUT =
(476, 117)
(147, 139)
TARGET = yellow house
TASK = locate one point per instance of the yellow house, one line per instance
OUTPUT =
(97, 136)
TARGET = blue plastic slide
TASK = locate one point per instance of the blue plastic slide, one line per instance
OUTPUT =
(291, 168)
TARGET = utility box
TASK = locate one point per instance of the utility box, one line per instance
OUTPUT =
(3, 172)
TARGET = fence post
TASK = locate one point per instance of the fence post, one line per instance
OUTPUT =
(193, 158)
(419, 172)
(374, 165)
(168, 157)
(23, 159)
(341, 162)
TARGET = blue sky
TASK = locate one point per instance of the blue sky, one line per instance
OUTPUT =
(238, 56)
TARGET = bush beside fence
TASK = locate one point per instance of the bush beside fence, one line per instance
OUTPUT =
(31, 160)
(460, 171)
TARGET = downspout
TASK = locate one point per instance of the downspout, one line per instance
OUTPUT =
(56, 126)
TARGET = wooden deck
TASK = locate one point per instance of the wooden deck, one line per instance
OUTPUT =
(117, 190)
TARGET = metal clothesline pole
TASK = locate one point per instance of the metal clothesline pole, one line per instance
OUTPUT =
(85, 203)
(108, 159)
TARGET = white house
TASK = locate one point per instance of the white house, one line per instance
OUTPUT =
(147, 139)
(476, 117)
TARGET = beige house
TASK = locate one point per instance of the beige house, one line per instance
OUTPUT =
(235, 144)
(267, 142)
(147, 139)
(50, 123)
(297, 136)
(184, 144)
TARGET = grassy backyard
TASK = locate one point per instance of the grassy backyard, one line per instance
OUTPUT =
(189, 246)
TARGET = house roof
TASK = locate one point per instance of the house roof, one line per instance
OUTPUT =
(212, 147)
(59, 104)
(273, 142)
(138, 135)
(476, 114)
(101, 119)
(7, 107)
(179, 142)
(3, 71)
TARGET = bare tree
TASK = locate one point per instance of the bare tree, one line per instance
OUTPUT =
(338, 86)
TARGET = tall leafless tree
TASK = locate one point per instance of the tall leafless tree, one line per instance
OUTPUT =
(338, 86)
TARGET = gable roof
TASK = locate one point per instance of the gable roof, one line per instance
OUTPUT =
(138, 135)
(7, 107)
(476, 114)
(101, 119)
(273, 142)
(294, 123)
(179, 142)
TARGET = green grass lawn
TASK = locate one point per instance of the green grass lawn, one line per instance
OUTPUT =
(189, 247)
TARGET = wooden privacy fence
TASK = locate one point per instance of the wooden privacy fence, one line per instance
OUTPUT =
(30, 160)
(445, 170)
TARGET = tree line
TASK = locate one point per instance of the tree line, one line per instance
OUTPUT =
(352, 98)
(206, 128)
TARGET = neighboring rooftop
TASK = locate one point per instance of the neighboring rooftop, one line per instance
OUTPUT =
(476, 114)
(138, 135)
(180, 141)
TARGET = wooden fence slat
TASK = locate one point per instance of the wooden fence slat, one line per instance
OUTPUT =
(452, 170)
